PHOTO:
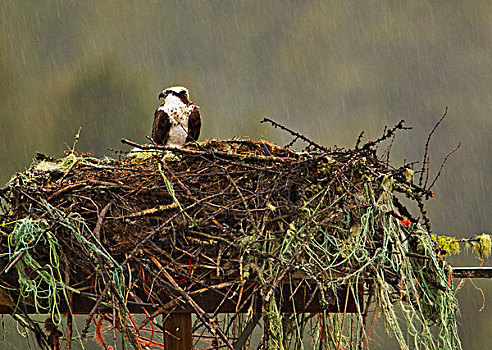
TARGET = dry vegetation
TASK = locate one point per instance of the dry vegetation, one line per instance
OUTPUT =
(246, 224)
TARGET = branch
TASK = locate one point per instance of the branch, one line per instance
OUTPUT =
(202, 315)
(297, 135)
(426, 150)
(210, 153)
(359, 140)
(442, 165)
(386, 135)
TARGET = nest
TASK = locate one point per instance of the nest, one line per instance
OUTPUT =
(247, 222)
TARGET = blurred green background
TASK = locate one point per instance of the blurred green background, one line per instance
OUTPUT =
(328, 69)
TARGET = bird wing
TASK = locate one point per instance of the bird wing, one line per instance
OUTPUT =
(161, 127)
(194, 124)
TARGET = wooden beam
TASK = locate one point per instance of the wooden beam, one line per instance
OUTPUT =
(472, 272)
(303, 301)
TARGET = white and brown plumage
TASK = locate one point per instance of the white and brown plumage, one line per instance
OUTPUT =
(177, 120)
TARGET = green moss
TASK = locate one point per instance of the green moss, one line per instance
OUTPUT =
(448, 245)
(483, 246)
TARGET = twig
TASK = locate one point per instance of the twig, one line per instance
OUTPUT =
(174, 302)
(161, 227)
(149, 211)
(67, 189)
(129, 302)
(67, 172)
(387, 134)
(359, 140)
(291, 143)
(97, 234)
(297, 135)
(22, 317)
(274, 285)
(388, 150)
(69, 332)
(426, 150)
(247, 331)
(113, 302)
(362, 339)
(245, 203)
(97, 230)
(311, 299)
(442, 165)
(93, 311)
(344, 314)
(421, 206)
(213, 154)
(202, 315)
(434, 283)
(15, 261)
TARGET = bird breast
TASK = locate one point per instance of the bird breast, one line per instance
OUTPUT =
(178, 134)
(178, 116)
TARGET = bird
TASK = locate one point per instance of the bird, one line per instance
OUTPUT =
(177, 120)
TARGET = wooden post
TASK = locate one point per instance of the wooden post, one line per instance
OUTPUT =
(180, 335)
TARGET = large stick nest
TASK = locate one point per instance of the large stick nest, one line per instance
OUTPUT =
(226, 216)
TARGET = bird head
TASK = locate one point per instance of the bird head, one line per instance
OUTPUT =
(179, 92)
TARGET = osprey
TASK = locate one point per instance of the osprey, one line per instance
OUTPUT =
(177, 121)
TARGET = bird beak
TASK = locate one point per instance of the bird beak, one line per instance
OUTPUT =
(161, 95)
